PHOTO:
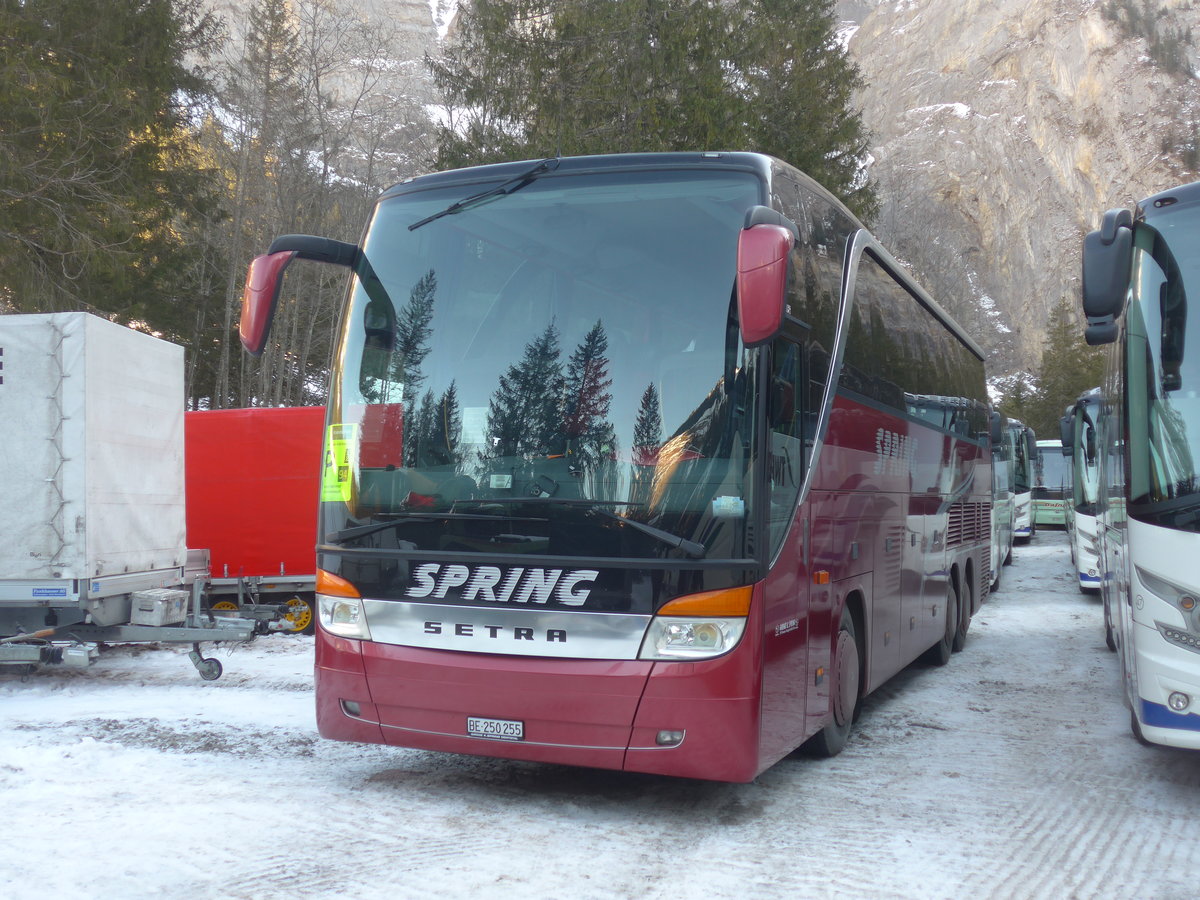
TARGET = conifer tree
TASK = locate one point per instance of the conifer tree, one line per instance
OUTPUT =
(536, 78)
(1069, 366)
(588, 398)
(525, 413)
(98, 166)
(647, 428)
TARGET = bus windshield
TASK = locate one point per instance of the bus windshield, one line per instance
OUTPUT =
(553, 369)
(1053, 473)
(1163, 382)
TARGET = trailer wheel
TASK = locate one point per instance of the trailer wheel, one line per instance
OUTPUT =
(210, 669)
(223, 606)
(301, 614)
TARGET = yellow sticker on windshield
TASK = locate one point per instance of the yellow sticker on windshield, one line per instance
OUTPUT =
(336, 481)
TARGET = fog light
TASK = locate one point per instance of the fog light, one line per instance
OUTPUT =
(351, 708)
(1179, 701)
(669, 738)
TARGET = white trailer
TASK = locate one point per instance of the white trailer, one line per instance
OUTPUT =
(92, 510)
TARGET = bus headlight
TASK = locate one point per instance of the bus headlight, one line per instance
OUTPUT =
(670, 638)
(343, 616)
(698, 626)
(1183, 598)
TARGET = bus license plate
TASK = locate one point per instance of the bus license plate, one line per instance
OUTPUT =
(496, 729)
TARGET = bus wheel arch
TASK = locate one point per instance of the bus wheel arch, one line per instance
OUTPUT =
(846, 681)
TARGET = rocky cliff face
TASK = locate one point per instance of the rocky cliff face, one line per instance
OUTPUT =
(1001, 131)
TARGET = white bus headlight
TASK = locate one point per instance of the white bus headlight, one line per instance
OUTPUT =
(343, 616)
(669, 638)
(698, 626)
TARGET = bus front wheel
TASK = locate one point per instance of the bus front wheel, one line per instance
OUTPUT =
(843, 692)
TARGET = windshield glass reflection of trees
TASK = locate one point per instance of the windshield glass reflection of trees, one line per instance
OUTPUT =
(1163, 400)
(555, 371)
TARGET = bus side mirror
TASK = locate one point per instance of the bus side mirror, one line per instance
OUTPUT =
(762, 273)
(1107, 263)
(260, 297)
(261, 293)
(1066, 430)
(996, 429)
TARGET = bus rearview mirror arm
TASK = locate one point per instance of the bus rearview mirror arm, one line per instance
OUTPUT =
(264, 279)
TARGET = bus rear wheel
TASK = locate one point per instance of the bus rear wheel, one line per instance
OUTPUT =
(939, 653)
(1110, 635)
(964, 616)
(843, 692)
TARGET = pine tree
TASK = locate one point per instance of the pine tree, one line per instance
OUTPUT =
(588, 398)
(99, 170)
(647, 428)
(1069, 365)
(412, 334)
(535, 78)
(525, 413)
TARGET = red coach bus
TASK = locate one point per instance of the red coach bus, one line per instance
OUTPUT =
(688, 466)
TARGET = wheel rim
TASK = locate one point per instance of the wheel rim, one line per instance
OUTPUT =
(299, 614)
(846, 687)
(951, 614)
(224, 606)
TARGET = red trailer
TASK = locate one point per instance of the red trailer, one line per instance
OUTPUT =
(251, 482)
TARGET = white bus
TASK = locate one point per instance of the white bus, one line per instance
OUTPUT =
(1079, 444)
(1002, 498)
(1051, 484)
(1137, 270)
(1022, 450)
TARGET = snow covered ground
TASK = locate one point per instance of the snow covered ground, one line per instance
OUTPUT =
(1011, 773)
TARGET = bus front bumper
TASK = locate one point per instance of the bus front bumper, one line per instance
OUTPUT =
(688, 719)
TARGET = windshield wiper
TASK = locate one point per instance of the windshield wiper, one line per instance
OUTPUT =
(507, 187)
(359, 531)
(691, 548)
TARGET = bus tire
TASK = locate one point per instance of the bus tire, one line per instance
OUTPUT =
(843, 692)
(939, 653)
(1110, 636)
(964, 617)
(1136, 727)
